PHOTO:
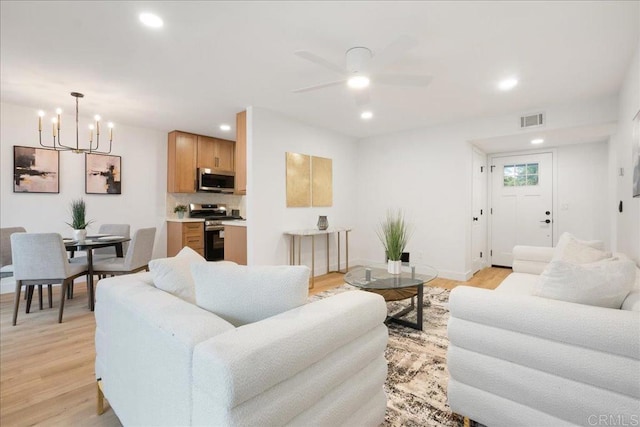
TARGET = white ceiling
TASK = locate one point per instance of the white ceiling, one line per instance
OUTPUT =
(212, 59)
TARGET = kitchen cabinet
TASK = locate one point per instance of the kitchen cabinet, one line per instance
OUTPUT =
(216, 154)
(235, 244)
(182, 160)
(241, 153)
(181, 234)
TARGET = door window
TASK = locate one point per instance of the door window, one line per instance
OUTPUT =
(520, 175)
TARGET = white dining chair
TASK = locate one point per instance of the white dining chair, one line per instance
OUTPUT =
(136, 259)
(41, 258)
(6, 266)
(123, 230)
(6, 263)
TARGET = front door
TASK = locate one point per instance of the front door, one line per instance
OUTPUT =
(521, 204)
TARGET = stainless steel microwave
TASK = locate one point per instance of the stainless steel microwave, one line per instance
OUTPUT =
(215, 183)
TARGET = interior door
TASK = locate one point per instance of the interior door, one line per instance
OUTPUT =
(478, 212)
(521, 204)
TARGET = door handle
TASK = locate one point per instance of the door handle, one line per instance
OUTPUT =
(546, 221)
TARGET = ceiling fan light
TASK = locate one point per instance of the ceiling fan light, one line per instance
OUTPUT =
(366, 115)
(358, 82)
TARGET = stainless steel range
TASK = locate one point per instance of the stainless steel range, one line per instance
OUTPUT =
(213, 228)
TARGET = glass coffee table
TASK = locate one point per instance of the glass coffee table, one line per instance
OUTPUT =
(394, 287)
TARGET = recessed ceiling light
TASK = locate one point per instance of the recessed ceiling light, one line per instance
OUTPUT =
(358, 82)
(537, 141)
(508, 84)
(225, 127)
(151, 20)
(366, 115)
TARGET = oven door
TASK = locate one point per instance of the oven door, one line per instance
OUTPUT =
(214, 243)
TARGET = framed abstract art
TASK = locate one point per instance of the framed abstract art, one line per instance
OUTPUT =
(35, 170)
(103, 174)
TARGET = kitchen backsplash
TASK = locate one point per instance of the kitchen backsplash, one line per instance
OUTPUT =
(232, 201)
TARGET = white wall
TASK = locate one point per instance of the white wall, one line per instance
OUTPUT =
(582, 191)
(626, 225)
(427, 173)
(144, 177)
(270, 136)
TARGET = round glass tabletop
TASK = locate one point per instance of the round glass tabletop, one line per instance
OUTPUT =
(377, 277)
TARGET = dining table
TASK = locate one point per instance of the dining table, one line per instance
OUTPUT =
(88, 245)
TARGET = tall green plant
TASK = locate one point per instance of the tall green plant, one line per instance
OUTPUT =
(78, 215)
(394, 233)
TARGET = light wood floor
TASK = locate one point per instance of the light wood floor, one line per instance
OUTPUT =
(47, 369)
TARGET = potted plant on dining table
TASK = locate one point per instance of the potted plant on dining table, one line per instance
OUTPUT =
(78, 220)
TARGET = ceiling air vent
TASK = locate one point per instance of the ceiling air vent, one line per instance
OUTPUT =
(532, 120)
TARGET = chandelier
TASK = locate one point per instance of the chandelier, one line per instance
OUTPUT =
(57, 143)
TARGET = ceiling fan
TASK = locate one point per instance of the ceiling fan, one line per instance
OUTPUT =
(362, 67)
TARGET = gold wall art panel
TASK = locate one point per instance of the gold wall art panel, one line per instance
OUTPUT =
(322, 181)
(298, 180)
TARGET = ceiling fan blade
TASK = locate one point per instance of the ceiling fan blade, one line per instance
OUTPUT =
(403, 80)
(393, 52)
(320, 61)
(320, 86)
(363, 97)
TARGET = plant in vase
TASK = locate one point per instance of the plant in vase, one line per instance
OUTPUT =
(78, 220)
(180, 210)
(394, 233)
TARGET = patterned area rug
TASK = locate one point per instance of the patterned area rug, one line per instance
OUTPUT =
(416, 384)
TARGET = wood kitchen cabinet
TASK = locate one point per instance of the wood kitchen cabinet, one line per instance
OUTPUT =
(216, 154)
(241, 153)
(235, 244)
(182, 161)
(181, 234)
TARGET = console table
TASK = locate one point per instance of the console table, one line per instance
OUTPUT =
(312, 232)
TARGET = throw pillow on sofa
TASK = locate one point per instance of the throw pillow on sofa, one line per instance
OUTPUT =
(173, 275)
(604, 284)
(246, 294)
(579, 251)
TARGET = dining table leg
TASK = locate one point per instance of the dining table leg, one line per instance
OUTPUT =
(90, 278)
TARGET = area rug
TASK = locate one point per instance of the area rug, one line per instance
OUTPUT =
(416, 384)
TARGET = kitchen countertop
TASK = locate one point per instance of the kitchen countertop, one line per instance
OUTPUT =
(235, 223)
(185, 220)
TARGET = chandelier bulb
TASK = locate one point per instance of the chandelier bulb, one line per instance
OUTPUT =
(97, 118)
(58, 111)
(110, 124)
(41, 113)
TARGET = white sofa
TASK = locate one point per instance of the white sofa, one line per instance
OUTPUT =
(164, 361)
(516, 359)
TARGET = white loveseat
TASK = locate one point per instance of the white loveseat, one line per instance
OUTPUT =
(164, 361)
(516, 359)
